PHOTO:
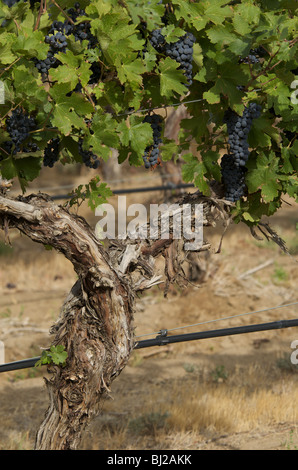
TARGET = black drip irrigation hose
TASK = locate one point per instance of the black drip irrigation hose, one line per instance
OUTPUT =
(165, 187)
(162, 339)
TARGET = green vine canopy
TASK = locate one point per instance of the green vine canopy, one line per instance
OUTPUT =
(80, 79)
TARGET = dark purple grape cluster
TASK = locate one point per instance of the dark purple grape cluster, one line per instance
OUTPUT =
(233, 166)
(75, 12)
(58, 43)
(238, 130)
(51, 152)
(250, 59)
(30, 147)
(43, 66)
(62, 27)
(88, 157)
(10, 3)
(254, 56)
(81, 31)
(57, 36)
(151, 156)
(157, 40)
(233, 178)
(18, 126)
(181, 50)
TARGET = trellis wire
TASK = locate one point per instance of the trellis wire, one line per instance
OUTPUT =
(164, 187)
(163, 339)
(221, 319)
(162, 106)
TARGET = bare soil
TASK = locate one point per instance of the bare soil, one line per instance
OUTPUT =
(234, 393)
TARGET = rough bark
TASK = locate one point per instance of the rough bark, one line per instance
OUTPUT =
(95, 323)
(96, 320)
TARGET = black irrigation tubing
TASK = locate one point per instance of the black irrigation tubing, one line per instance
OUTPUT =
(162, 339)
(166, 187)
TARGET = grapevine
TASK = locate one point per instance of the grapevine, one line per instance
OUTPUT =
(57, 43)
(51, 152)
(151, 156)
(233, 178)
(233, 166)
(81, 79)
(57, 38)
(181, 50)
(18, 126)
(88, 157)
(98, 66)
(238, 129)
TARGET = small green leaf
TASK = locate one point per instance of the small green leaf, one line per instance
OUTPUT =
(92, 192)
(171, 33)
(193, 171)
(58, 354)
(8, 170)
(55, 355)
(169, 150)
(265, 177)
(247, 216)
(212, 96)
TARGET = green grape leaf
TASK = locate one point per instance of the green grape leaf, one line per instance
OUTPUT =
(68, 112)
(265, 177)
(58, 354)
(130, 71)
(55, 355)
(136, 134)
(7, 55)
(217, 11)
(97, 194)
(171, 79)
(194, 171)
(8, 169)
(169, 150)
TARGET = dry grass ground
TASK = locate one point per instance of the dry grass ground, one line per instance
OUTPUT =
(235, 392)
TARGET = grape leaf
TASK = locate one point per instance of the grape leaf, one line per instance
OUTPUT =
(265, 176)
(171, 79)
(56, 355)
(136, 134)
(193, 171)
(130, 71)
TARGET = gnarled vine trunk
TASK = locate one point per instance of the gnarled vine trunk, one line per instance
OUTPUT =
(96, 320)
(95, 328)
(95, 323)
